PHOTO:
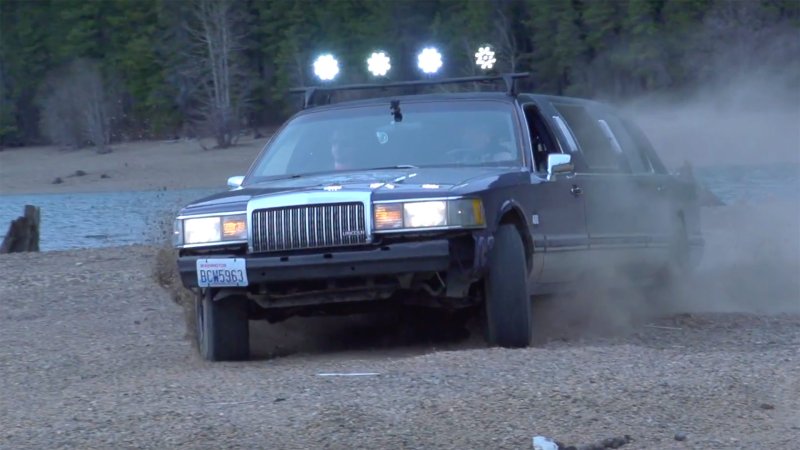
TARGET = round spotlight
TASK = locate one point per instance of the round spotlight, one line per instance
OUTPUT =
(326, 67)
(484, 57)
(429, 60)
(378, 64)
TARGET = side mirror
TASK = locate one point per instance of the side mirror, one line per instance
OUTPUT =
(559, 163)
(235, 182)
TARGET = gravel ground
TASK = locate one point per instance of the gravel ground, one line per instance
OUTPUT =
(95, 354)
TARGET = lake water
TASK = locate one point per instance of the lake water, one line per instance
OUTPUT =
(120, 218)
(100, 219)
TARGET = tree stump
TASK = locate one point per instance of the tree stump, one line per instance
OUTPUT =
(23, 233)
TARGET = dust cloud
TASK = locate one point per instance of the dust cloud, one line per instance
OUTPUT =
(743, 122)
(743, 116)
(751, 262)
(752, 255)
(750, 265)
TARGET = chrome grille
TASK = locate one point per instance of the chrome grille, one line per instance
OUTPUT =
(308, 226)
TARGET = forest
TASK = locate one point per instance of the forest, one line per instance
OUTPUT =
(79, 73)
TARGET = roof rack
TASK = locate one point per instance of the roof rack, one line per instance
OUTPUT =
(310, 92)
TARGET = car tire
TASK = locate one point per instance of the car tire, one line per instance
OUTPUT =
(668, 281)
(222, 328)
(508, 305)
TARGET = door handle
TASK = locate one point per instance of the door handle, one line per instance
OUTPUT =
(576, 190)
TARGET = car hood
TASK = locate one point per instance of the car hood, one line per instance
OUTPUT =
(384, 184)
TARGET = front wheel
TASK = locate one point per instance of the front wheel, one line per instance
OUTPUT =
(222, 327)
(508, 305)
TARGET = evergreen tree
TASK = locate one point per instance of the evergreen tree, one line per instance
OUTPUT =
(26, 53)
(612, 48)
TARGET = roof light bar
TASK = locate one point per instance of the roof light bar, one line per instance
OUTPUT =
(311, 92)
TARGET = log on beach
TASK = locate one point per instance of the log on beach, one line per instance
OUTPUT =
(23, 233)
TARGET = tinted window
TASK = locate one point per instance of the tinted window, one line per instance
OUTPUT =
(600, 150)
(644, 146)
(633, 152)
(358, 138)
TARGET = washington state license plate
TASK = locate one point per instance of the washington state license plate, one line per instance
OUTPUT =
(221, 272)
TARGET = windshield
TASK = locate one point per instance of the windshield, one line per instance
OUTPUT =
(369, 137)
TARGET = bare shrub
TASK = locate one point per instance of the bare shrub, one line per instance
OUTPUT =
(78, 107)
(221, 84)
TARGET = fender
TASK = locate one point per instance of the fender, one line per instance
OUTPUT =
(513, 208)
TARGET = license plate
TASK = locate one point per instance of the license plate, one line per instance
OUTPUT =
(221, 272)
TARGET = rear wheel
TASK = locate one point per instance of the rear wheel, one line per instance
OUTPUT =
(508, 305)
(679, 249)
(678, 266)
(669, 280)
(222, 327)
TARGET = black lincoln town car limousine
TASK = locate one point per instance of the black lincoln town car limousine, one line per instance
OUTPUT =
(468, 201)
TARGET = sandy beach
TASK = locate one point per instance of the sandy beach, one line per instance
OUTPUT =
(97, 354)
(142, 165)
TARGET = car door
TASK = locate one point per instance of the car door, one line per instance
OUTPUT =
(621, 219)
(557, 208)
(649, 177)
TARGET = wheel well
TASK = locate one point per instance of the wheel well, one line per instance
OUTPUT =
(514, 217)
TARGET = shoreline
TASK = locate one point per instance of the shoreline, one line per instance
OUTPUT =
(111, 190)
(163, 166)
(131, 166)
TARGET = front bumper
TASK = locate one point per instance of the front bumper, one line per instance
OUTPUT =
(398, 258)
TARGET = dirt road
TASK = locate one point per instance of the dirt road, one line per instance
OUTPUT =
(94, 355)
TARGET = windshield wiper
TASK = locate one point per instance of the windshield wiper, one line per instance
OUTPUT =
(399, 166)
(277, 177)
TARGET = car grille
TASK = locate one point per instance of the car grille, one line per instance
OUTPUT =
(308, 226)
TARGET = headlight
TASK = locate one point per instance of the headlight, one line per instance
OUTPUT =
(203, 230)
(460, 213)
(425, 214)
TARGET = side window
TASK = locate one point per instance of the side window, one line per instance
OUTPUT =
(612, 139)
(573, 146)
(626, 143)
(597, 143)
(644, 146)
(541, 139)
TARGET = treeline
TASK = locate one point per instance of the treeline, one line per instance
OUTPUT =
(91, 72)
